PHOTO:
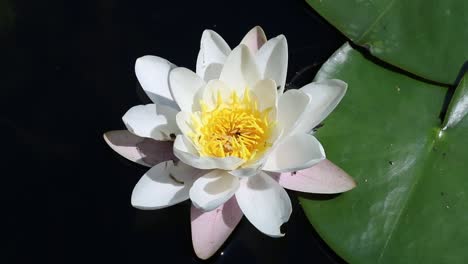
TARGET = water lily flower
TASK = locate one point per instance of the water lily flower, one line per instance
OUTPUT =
(228, 137)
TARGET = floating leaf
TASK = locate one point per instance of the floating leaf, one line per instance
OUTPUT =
(426, 37)
(411, 200)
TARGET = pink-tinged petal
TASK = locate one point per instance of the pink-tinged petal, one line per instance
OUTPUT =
(254, 39)
(145, 151)
(324, 177)
(211, 229)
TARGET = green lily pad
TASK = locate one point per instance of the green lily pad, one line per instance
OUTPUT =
(411, 202)
(426, 37)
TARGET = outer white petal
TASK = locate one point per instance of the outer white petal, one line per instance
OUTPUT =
(291, 106)
(157, 189)
(144, 121)
(184, 86)
(265, 203)
(324, 97)
(213, 189)
(185, 173)
(254, 39)
(265, 91)
(295, 152)
(240, 70)
(212, 55)
(169, 131)
(186, 152)
(153, 74)
(272, 61)
(145, 151)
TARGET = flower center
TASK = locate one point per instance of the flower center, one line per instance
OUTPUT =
(235, 127)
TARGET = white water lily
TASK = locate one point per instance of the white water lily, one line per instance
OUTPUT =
(239, 138)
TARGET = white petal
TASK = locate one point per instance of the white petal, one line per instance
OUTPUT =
(246, 172)
(186, 152)
(295, 152)
(254, 39)
(324, 97)
(252, 168)
(240, 70)
(185, 173)
(144, 121)
(184, 119)
(265, 203)
(291, 106)
(145, 151)
(213, 51)
(215, 88)
(265, 91)
(212, 72)
(153, 74)
(213, 189)
(157, 189)
(272, 61)
(170, 130)
(184, 86)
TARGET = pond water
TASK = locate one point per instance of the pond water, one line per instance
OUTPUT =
(69, 78)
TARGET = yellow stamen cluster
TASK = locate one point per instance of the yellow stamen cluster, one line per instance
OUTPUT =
(235, 128)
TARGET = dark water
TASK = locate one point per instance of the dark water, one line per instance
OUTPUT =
(67, 77)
